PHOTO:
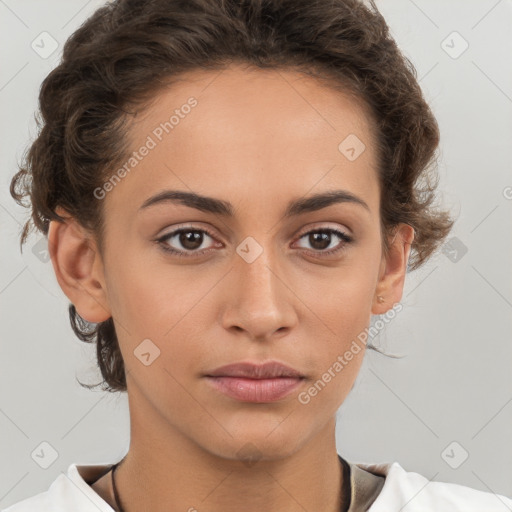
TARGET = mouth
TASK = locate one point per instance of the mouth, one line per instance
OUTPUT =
(257, 383)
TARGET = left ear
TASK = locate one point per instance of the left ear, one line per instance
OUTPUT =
(393, 269)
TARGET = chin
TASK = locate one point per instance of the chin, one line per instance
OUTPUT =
(252, 444)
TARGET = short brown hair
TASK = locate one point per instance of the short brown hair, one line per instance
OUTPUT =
(126, 50)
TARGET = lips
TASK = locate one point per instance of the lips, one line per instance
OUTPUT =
(249, 382)
(269, 370)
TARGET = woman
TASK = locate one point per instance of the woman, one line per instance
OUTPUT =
(230, 190)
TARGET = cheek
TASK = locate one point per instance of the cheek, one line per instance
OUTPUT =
(338, 328)
(147, 293)
(167, 306)
(342, 298)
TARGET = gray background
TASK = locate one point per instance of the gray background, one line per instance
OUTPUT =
(455, 383)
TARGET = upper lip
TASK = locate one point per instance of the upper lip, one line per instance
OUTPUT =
(268, 370)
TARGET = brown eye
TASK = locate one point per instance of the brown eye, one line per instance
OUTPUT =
(320, 240)
(185, 240)
(190, 240)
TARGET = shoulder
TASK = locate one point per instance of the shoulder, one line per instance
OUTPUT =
(69, 491)
(403, 488)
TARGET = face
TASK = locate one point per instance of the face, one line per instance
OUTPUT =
(260, 271)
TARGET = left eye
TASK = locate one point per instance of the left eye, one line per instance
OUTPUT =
(321, 239)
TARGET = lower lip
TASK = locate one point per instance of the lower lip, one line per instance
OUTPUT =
(255, 390)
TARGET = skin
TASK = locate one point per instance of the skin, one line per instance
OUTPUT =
(258, 151)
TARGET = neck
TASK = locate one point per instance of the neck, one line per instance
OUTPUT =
(164, 470)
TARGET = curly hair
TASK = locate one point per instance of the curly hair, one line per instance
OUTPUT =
(127, 50)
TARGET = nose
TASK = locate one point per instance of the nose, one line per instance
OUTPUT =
(259, 301)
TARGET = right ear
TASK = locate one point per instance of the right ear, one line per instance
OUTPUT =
(78, 267)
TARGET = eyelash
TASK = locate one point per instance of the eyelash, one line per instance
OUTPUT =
(343, 236)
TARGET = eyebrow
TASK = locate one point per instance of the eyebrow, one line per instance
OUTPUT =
(225, 208)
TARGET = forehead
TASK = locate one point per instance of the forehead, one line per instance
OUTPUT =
(242, 134)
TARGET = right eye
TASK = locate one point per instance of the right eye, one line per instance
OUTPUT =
(190, 239)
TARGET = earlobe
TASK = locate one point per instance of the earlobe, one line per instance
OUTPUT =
(78, 269)
(392, 271)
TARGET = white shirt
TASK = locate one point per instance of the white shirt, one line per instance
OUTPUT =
(402, 491)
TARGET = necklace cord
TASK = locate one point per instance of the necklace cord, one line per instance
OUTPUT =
(346, 486)
(116, 496)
